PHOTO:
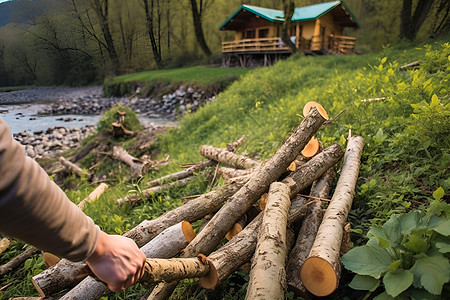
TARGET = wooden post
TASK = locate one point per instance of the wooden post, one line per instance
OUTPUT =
(321, 271)
(268, 277)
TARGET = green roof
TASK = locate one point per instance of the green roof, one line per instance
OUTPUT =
(305, 13)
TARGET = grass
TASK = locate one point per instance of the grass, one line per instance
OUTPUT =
(405, 158)
(201, 75)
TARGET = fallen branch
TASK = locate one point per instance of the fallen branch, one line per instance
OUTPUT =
(267, 276)
(74, 168)
(410, 65)
(321, 271)
(227, 157)
(138, 167)
(19, 259)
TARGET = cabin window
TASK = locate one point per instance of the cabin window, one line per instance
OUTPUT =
(250, 34)
(263, 33)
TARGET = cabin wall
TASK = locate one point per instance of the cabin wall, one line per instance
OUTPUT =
(258, 26)
(324, 27)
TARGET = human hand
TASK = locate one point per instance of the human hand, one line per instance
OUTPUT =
(117, 261)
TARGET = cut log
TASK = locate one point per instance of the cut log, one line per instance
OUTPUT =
(19, 259)
(4, 244)
(311, 148)
(138, 167)
(313, 169)
(321, 271)
(133, 199)
(241, 248)
(267, 276)
(182, 174)
(307, 234)
(50, 259)
(263, 201)
(93, 196)
(74, 168)
(229, 173)
(240, 224)
(227, 157)
(308, 106)
(167, 244)
(119, 130)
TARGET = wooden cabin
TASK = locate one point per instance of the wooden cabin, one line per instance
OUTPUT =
(328, 27)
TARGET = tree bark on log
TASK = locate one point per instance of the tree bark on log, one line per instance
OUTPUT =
(321, 271)
(4, 243)
(94, 195)
(182, 174)
(229, 173)
(133, 199)
(138, 167)
(307, 234)
(239, 203)
(313, 169)
(240, 249)
(268, 276)
(167, 244)
(73, 168)
(191, 211)
(19, 259)
(227, 157)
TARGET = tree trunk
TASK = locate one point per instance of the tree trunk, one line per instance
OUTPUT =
(150, 30)
(93, 196)
(19, 259)
(321, 188)
(167, 244)
(191, 211)
(132, 199)
(227, 157)
(73, 168)
(288, 8)
(240, 249)
(410, 25)
(182, 174)
(198, 30)
(321, 270)
(313, 169)
(267, 276)
(138, 167)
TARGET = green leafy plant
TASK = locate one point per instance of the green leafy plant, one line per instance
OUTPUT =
(408, 255)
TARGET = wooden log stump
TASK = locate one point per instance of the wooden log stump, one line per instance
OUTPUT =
(307, 234)
(167, 244)
(267, 276)
(227, 157)
(182, 174)
(119, 130)
(138, 167)
(239, 203)
(321, 271)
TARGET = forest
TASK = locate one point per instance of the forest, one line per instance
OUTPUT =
(80, 42)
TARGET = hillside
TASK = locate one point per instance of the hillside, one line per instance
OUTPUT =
(402, 113)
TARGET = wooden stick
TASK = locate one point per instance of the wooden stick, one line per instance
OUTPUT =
(73, 168)
(167, 244)
(207, 240)
(182, 174)
(267, 276)
(307, 234)
(321, 271)
(138, 167)
(227, 157)
(19, 259)
(94, 195)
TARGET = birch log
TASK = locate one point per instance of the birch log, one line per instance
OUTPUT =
(227, 157)
(239, 203)
(167, 244)
(240, 249)
(138, 167)
(132, 199)
(73, 167)
(94, 195)
(19, 259)
(320, 188)
(267, 276)
(321, 271)
(182, 174)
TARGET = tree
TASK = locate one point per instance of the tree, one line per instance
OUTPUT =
(288, 8)
(410, 25)
(155, 41)
(197, 12)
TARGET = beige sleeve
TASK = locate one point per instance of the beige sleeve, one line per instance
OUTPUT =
(35, 210)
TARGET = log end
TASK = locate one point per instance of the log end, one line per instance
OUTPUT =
(50, 259)
(308, 106)
(311, 148)
(233, 231)
(211, 279)
(38, 288)
(318, 276)
(188, 231)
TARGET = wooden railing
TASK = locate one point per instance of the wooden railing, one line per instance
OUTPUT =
(257, 44)
(338, 44)
(342, 44)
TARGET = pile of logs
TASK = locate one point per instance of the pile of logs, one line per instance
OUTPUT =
(256, 210)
